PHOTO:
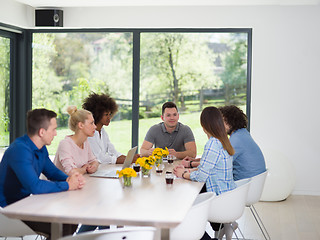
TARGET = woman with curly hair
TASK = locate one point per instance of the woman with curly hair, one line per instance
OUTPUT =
(248, 160)
(103, 108)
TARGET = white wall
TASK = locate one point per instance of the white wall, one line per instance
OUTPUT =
(16, 14)
(285, 72)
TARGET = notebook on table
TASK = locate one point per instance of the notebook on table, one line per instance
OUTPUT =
(113, 173)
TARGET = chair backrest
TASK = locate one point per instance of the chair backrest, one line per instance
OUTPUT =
(194, 224)
(242, 181)
(256, 188)
(13, 227)
(129, 233)
(229, 206)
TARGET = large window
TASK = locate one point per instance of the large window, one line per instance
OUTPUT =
(194, 69)
(67, 67)
(4, 91)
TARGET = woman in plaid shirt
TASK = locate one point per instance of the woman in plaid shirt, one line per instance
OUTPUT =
(215, 168)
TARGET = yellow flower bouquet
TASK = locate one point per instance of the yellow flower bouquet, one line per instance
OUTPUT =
(146, 164)
(127, 174)
(159, 153)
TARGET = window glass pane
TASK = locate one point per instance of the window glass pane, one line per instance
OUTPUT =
(195, 70)
(69, 66)
(4, 91)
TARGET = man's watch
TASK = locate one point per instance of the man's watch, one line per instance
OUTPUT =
(190, 164)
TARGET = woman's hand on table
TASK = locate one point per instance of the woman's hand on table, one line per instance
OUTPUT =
(92, 167)
(82, 170)
(120, 159)
(178, 170)
(185, 163)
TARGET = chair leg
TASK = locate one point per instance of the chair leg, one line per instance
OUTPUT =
(234, 231)
(216, 237)
(240, 233)
(228, 237)
(260, 223)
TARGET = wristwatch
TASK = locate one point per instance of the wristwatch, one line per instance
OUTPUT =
(190, 164)
(184, 173)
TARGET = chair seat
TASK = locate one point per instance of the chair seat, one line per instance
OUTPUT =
(229, 206)
(13, 227)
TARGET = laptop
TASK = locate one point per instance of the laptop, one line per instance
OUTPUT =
(113, 173)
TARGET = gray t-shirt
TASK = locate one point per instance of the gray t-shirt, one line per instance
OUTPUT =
(159, 136)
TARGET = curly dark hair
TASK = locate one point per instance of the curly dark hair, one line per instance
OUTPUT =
(98, 104)
(234, 117)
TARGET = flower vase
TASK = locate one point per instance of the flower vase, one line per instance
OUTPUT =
(127, 181)
(145, 172)
(159, 161)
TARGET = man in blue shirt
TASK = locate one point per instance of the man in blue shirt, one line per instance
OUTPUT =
(26, 158)
(248, 160)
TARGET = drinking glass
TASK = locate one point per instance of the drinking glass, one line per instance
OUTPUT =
(136, 167)
(170, 159)
(159, 168)
(169, 177)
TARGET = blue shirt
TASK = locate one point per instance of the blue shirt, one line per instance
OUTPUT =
(215, 168)
(20, 168)
(248, 160)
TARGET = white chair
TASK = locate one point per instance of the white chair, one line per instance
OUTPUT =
(281, 177)
(127, 233)
(13, 227)
(194, 224)
(254, 195)
(229, 206)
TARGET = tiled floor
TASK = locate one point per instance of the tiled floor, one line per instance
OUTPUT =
(296, 218)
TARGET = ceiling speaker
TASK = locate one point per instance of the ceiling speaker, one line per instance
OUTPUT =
(49, 18)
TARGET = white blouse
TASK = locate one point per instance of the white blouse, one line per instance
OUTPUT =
(102, 148)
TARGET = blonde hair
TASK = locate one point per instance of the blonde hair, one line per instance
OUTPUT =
(76, 116)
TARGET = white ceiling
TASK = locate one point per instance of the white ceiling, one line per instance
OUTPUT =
(104, 3)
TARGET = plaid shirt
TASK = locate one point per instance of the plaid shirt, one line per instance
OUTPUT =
(215, 168)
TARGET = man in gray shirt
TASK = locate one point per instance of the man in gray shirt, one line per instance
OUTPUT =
(170, 133)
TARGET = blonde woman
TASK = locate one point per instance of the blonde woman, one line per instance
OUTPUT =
(74, 153)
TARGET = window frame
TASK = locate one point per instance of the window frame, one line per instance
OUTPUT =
(20, 90)
(23, 44)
